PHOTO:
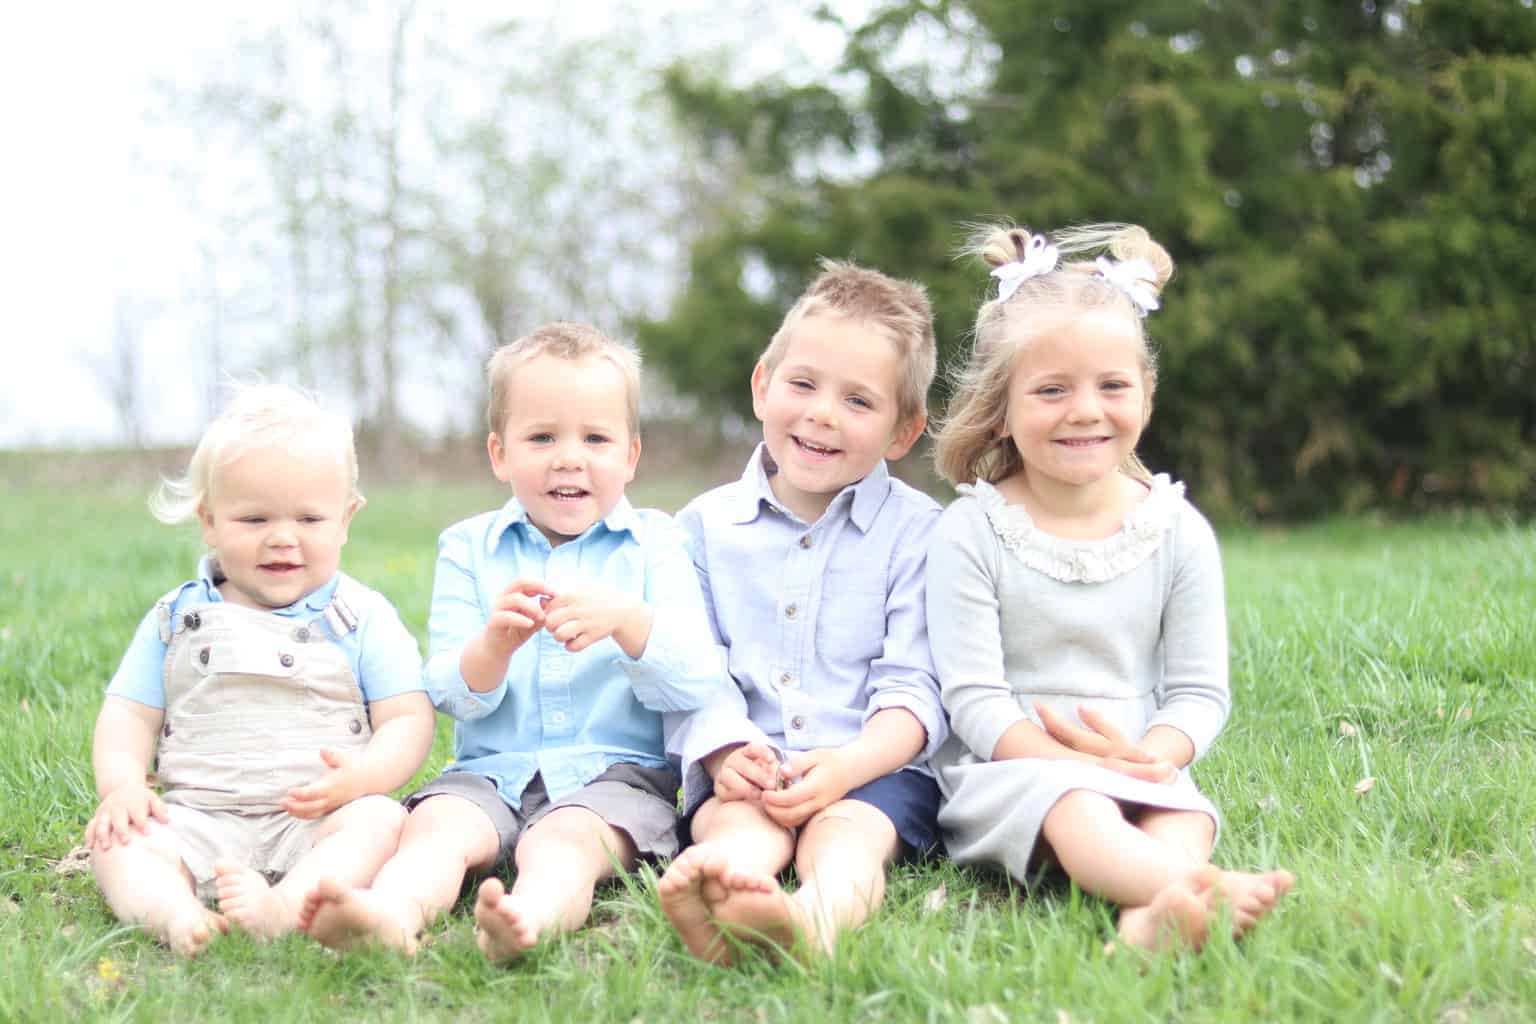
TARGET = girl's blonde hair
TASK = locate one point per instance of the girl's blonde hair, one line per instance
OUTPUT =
(899, 308)
(561, 339)
(257, 416)
(972, 442)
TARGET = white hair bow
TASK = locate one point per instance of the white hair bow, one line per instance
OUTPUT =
(1040, 257)
(1135, 277)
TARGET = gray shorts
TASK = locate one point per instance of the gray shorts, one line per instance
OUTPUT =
(640, 802)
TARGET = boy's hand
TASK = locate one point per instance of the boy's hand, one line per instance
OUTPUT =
(746, 772)
(516, 614)
(580, 618)
(336, 787)
(817, 779)
(124, 811)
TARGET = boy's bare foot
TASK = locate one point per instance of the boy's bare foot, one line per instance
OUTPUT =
(1179, 915)
(342, 918)
(687, 906)
(757, 909)
(188, 931)
(503, 930)
(250, 903)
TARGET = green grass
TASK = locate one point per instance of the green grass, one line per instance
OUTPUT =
(1416, 900)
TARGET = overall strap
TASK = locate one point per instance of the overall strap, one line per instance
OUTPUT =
(339, 614)
(163, 609)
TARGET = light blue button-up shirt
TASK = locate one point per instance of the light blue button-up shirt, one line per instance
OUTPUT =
(382, 652)
(568, 717)
(822, 625)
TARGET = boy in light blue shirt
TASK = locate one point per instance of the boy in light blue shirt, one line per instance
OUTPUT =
(562, 626)
(812, 565)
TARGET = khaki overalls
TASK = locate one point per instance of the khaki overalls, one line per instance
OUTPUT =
(250, 700)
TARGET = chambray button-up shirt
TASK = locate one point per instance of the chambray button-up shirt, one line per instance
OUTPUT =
(822, 625)
(568, 717)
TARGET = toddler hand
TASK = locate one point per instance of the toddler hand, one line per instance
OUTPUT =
(1106, 743)
(817, 779)
(518, 613)
(579, 619)
(1147, 771)
(125, 810)
(329, 791)
(746, 772)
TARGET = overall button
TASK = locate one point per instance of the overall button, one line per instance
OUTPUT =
(301, 634)
(805, 541)
(168, 730)
(286, 660)
(355, 726)
(202, 655)
(798, 722)
(790, 611)
(192, 620)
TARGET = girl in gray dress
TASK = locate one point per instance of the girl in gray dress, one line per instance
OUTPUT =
(1075, 600)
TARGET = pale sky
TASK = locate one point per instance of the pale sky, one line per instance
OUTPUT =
(89, 213)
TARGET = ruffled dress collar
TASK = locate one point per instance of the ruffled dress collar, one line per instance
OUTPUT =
(1083, 561)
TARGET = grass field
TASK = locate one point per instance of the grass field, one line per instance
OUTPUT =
(1401, 653)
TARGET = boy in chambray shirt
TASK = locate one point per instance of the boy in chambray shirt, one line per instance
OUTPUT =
(562, 626)
(812, 565)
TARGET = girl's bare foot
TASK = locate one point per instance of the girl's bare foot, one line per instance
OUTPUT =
(1179, 915)
(342, 918)
(756, 908)
(684, 901)
(1249, 895)
(189, 930)
(503, 930)
(250, 903)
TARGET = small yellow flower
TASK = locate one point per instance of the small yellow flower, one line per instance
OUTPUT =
(108, 971)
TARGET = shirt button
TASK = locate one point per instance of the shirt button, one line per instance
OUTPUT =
(286, 660)
(785, 679)
(558, 717)
(798, 722)
(805, 541)
(789, 611)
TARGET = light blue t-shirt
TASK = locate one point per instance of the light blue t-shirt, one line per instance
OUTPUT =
(568, 717)
(822, 625)
(382, 652)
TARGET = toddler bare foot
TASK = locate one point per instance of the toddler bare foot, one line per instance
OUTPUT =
(503, 930)
(189, 930)
(682, 893)
(1179, 915)
(1249, 895)
(757, 909)
(250, 903)
(342, 918)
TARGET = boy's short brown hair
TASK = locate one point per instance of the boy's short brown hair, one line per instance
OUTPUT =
(900, 308)
(562, 339)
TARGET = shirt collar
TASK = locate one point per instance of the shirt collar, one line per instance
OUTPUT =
(865, 497)
(621, 517)
(209, 577)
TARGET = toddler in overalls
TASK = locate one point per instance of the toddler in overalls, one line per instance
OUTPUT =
(283, 696)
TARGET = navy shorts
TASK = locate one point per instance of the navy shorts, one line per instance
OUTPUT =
(911, 800)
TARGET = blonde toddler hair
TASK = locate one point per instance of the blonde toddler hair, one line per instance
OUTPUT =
(561, 339)
(972, 442)
(257, 416)
(900, 308)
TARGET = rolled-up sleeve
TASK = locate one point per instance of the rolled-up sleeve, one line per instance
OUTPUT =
(965, 629)
(1196, 694)
(904, 676)
(682, 667)
(456, 616)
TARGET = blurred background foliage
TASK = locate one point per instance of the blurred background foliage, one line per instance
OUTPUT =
(1348, 189)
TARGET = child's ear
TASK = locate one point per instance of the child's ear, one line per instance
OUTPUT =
(634, 458)
(906, 436)
(760, 378)
(353, 504)
(498, 453)
(205, 516)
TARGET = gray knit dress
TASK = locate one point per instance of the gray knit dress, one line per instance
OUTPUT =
(1133, 625)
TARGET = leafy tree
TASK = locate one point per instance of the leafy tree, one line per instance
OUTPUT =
(1345, 187)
